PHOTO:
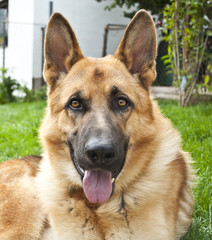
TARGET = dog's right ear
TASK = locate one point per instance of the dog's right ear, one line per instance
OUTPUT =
(61, 49)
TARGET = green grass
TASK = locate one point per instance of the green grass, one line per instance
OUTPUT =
(19, 123)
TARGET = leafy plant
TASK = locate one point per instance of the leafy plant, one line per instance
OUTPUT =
(207, 81)
(7, 87)
(155, 6)
(187, 25)
(33, 95)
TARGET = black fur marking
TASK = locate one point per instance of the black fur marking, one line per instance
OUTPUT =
(70, 210)
(83, 102)
(86, 222)
(117, 94)
(124, 211)
(74, 160)
(72, 190)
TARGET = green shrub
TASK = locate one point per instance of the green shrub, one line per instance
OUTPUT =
(7, 87)
(31, 95)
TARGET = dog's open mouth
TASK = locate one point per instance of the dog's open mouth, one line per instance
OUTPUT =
(97, 183)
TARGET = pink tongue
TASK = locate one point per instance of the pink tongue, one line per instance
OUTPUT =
(97, 185)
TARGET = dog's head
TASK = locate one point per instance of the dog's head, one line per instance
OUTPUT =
(99, 109)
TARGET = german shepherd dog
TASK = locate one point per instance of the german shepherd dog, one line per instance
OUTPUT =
(112, 165)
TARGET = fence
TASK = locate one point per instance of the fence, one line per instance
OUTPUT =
(115, 31)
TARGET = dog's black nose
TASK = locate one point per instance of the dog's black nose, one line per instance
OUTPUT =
(100, 151)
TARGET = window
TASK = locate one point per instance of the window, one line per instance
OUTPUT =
(3, 22)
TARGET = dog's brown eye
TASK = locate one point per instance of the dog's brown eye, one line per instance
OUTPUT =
(74, 104)
(122, 102)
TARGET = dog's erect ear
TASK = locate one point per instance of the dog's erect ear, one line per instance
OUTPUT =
(61, 48)
(138, 48)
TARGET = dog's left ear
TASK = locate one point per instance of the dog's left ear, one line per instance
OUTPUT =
(138, 48)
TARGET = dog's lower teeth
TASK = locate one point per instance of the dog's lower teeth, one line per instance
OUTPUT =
(81, 170)
(113, 179)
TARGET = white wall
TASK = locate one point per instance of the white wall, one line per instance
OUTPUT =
(41, 17)
(19, 52)
(88, 19)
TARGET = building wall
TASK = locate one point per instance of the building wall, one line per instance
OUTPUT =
(41, 17)
(19, 52)
(88, 19)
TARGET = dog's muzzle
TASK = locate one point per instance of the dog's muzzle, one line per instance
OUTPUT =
(99, 164)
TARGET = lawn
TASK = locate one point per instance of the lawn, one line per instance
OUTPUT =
(19, 124)
(19, 137)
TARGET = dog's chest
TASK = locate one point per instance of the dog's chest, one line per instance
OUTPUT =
(117, 219)
(104, 226)
(85, 224)
(79, 221)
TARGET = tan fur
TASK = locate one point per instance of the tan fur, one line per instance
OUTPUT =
(152, 197)
(19, 203)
